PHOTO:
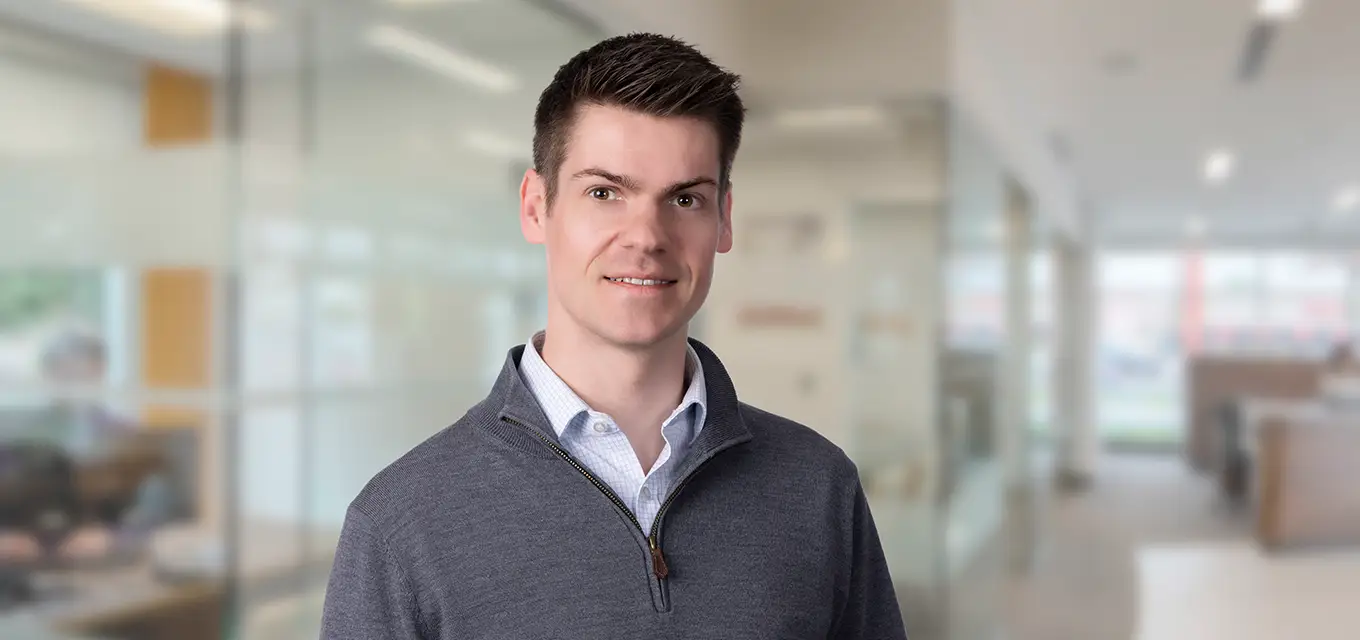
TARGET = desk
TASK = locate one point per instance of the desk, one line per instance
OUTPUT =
(117, 603)
(1309, 487)
(1254, 412)
(1239, 437)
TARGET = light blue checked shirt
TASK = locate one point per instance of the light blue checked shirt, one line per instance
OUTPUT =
(594, 439)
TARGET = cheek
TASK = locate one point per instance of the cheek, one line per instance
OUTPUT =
(702, 240)
(575, 245)
(700, 259)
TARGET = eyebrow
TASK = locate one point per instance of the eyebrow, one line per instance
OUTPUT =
(690, 184)
(633, 185)
(623, 181)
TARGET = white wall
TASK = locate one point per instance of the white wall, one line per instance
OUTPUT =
(1018, 131)
(830, 188)
(50, 111)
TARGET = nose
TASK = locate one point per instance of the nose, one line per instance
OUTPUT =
(646, 228)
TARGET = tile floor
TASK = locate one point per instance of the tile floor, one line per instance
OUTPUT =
(1085, 581)
(1233, 591)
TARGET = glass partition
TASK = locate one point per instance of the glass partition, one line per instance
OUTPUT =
(973, 380)
(116, 254)
(383, 274)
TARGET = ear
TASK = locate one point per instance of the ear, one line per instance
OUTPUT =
(533, 207)
(725, 233)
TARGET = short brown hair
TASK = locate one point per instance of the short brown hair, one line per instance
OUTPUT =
(642, 72)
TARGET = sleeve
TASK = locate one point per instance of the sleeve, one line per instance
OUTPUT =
(369, 595)
(870, 610)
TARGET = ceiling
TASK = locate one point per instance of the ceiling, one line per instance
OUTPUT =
(1105, 109)
(1136, 94)
(796, 54)
(335, 36)
(371, 113)
(800, 52)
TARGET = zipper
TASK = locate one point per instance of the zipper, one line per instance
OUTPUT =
(609, 493)
(660, 570)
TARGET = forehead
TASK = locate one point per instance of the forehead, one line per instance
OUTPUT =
(655, 150)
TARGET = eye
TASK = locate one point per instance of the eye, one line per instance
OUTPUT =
(687, 201)
(602, 193)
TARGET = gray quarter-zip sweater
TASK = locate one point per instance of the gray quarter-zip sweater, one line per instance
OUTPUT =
(490, 530)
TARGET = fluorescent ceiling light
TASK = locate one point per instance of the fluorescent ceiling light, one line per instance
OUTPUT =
(1218, 167)
(830, 118)
(1278, 9)
(440, 58)
(493, 145)
(1346, 199)
(183, 18)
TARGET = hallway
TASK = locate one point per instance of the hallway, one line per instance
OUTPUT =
(1084, 585)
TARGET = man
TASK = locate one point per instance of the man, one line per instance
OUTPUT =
(84, 432)
(611, 485)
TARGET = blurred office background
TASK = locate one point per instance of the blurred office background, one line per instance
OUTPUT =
(1059, 275)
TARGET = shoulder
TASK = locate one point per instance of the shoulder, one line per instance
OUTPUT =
(788, 439)
(445, 464)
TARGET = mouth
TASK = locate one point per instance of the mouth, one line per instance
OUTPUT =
(641, 282)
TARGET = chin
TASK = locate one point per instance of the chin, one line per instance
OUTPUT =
(640, 335)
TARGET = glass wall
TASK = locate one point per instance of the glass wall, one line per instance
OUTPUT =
(115, 270)
(242, 271)
(383, 275)
(1139, 356)
(973, 370)
(1158, 308)
(1289, 302)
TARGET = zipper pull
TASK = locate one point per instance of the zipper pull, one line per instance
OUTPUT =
(658, 561)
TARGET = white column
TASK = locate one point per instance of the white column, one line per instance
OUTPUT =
(1021, 511)
(1078, 439)
(1015, 428)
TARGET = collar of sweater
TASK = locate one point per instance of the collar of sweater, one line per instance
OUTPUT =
(723, 424)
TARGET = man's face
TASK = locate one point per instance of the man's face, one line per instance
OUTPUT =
(635, 224)
(77, 369)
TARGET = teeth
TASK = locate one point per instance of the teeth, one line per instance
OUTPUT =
(640, 281)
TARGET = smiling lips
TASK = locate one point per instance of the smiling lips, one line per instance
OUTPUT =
(641, 282)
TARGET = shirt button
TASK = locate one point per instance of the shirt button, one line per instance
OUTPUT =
(645, 493)
(601, 427)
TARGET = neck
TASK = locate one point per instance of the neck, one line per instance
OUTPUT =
(636, 387)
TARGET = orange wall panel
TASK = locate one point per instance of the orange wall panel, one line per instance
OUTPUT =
(176, 305)
(177, 107)
(176, 338)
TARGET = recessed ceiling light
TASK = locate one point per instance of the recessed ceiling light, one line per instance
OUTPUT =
(440, 58)
(184, 18)
(1218, 167)
(1278, 9)
(1346, 199)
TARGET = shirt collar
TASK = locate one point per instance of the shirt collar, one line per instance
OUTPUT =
(561, 405)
